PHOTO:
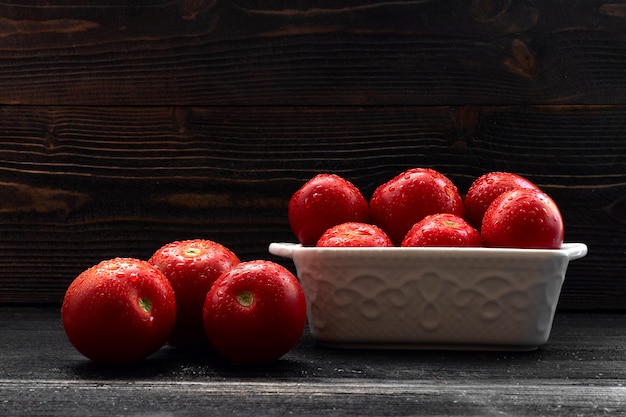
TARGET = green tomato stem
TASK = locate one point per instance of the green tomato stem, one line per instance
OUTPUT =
(245, 298)
(145, 304)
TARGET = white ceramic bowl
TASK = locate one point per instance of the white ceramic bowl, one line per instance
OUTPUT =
(431, 298)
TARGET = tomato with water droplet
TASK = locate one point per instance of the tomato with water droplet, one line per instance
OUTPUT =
(255, 313)
(324, 201)
(442, 229)
(486, 188)
(353, 234)
(192, 266)
(119, 311)
(406, 199)
(523, 218)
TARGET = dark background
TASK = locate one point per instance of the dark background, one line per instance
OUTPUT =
(127, 126)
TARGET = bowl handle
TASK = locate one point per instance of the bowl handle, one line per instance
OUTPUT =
(284, 250)
(574, 250)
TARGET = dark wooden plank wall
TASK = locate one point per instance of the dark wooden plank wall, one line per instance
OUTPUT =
(125, 126)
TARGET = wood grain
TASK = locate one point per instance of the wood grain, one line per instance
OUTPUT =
(81, 184)
(212, 52)
(321, 398)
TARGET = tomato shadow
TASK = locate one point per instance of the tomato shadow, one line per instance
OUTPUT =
(167, 363)
(309, 359)
(183, 364)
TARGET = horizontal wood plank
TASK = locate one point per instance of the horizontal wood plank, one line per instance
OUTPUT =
(81, 184)
(312, 53)
(433, 398)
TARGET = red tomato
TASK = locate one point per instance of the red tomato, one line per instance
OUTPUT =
(323, 202)
(442, 229)
(523, 218)
(485, 189)
(119, 311)
(354, 234)
(255, 313)
(398, 204)
(192, 266)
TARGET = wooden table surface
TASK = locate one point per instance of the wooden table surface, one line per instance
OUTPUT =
(581, 371)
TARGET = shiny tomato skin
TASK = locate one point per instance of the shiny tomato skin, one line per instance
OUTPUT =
(486, 188)
(442, 229)
(192, 266)
(255, 313)
(119, 311)
(353, 234)
(523, 218)
(323, 202)
(406, 199)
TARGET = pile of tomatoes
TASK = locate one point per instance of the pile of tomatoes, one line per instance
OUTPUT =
(422, 207)
(191, 294)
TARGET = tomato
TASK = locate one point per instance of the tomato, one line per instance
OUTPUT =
(322, 202)
(486, 188)
(442, 229)
(119, 311)
(192, 266)
(255, 313)
(523, 218)
(406, 199)
(354, 234)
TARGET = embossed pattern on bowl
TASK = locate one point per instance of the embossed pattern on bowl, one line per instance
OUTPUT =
(449, 298)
